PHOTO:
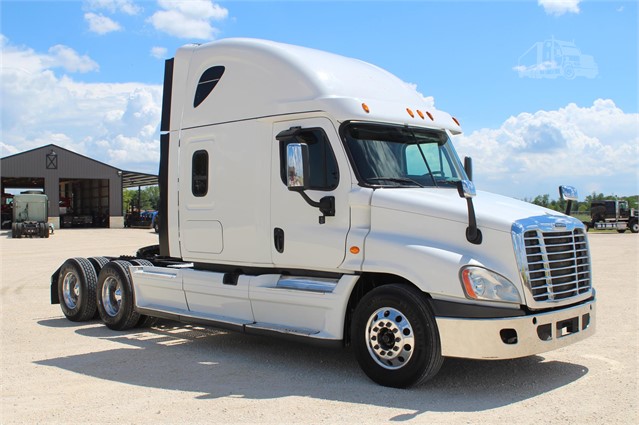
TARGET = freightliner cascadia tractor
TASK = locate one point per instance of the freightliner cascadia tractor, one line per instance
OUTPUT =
(311, 196)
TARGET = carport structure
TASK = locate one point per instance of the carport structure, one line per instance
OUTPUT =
(82, 191)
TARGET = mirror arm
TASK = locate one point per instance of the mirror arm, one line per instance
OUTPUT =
(466, 189)
(473, 234)
(326, 205)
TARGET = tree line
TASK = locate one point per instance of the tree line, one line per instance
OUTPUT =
(148, 198)
(581, 206)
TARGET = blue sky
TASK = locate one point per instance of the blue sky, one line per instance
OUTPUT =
(86, 75)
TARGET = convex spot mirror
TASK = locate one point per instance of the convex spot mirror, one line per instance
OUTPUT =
(297, 169)
(466, 189)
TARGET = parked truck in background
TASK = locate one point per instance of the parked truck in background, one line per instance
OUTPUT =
(612, 214)
(30, 215)
(310, 196)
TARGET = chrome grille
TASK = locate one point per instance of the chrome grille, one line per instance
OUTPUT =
(558, 264)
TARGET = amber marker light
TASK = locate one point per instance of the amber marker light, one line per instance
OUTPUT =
(456, 122)
(430, 116)
(365, 108)
(410, 112)
(354, 250)
(420, 113)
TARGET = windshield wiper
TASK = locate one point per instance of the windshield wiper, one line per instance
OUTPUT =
(402, 180)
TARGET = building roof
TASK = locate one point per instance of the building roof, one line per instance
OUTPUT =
(129, 178)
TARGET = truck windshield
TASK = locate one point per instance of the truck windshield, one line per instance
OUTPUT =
(399, 156)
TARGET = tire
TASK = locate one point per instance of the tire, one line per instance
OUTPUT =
(621, 230)
(115, 296)
(18, 230)
(156, 227)
(98, 263)
(77, 284)
(401, 352)
(14, 230)
(634, 226)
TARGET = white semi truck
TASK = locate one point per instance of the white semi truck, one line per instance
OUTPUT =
(318, 197)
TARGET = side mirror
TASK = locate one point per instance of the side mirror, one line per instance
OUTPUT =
(297, 170)
(568, 193)
(468, 167)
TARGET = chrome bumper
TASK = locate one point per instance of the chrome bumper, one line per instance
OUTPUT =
(513, 337)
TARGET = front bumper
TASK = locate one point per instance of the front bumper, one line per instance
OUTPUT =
(513, 337)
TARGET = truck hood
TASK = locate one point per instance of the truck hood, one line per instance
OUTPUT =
(492, 211)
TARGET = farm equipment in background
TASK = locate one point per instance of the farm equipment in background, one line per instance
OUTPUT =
(30, 215)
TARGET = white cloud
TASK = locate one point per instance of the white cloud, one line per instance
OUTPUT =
(100, 24)
(58, 56)
(188, 19)
(429, 100)
(159, 52)
(114, 123)
(559, 7)
(594, 148)
(113, 6)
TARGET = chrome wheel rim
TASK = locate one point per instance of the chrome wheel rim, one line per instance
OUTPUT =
(71, 290)
(111, 296)
(389, 338)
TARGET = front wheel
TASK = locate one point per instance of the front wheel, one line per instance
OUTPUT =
(395, 337)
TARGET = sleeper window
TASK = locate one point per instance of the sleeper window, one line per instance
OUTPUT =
(200, 173)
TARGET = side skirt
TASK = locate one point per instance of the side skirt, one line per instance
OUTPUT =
(305, 336)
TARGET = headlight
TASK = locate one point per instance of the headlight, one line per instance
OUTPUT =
(482, 284)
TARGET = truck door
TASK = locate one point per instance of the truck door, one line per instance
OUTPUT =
(299, 239)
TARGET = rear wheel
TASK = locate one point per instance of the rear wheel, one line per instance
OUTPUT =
(76, 289)
(395, 337)
(634, 226)
(115, 296)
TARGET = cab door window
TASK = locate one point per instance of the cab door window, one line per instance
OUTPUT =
(324, 173)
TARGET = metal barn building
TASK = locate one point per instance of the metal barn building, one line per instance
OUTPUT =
(81, 190)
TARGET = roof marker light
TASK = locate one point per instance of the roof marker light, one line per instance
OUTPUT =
(354, 250)
(430, 116)
(456, 122)
(410, 112)
(420, 113)
(365, 108)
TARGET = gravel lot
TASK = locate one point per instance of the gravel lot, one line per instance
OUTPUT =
(56, 371)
